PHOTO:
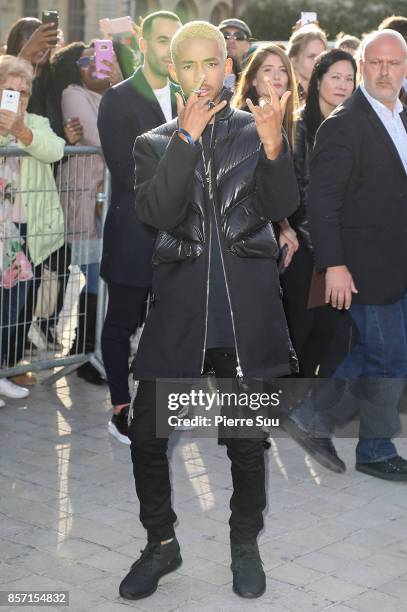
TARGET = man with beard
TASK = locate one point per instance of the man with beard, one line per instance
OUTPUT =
(141, 103)
(211, 183)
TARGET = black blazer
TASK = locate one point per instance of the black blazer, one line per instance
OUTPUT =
(357, 201)
(127, 111)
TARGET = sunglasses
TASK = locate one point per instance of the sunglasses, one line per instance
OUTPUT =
(84, 62)
(234, 36)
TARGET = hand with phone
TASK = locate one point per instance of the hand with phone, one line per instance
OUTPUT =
(40, 42)
(288, 243)
(103, 54)
(12, 109)
(111, 71)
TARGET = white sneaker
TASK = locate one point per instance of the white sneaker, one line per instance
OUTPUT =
(2, 403)
(10, 389)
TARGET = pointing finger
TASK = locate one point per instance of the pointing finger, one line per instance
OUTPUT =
(180, 104)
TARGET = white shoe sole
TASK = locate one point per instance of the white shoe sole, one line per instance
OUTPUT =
(14, 392)
(116, 433)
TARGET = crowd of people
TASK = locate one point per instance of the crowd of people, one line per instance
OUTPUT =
(258, 200)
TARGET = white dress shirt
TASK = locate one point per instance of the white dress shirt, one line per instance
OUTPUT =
(393, 124)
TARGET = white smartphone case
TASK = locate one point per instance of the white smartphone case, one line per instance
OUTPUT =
(10, 100)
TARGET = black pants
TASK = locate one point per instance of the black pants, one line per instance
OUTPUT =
(124, 311)
(321, 335)
(151, 473)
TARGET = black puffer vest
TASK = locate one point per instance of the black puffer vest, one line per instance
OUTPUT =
(246, 231)
(247, 192)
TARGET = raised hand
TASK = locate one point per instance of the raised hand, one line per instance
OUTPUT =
(111, 71)
(195, 115)
(45, 37)
(13, 123)
(269, 115)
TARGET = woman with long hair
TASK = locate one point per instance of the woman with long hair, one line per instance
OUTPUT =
(80, 92)
(304, 46)
(332, 81)
(271, 64)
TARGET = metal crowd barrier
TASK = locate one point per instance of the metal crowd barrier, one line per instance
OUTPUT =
(44, 323)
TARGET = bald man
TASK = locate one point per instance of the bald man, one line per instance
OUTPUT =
(357, 203)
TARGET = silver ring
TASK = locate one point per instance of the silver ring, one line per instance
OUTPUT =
(210, 104)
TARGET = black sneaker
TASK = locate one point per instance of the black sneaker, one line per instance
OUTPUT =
(249, 579)
(88, 372)
(118, 425)
(389, 469)
(156, 560)
(320, 449)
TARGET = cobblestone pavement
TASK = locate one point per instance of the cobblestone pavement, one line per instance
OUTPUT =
(69, 518)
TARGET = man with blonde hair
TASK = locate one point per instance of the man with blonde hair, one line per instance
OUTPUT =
(210, 183)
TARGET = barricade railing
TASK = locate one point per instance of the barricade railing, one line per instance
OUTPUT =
(52, 299)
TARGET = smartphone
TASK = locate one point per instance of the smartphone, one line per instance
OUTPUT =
(116, 26)
(308, 17)
(51, 17)
(281, 258)
(10, 100)
(103, 51)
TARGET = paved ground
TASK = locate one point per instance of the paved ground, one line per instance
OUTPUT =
(68, 518)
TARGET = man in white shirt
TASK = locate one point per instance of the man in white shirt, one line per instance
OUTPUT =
(357, 204)
(137, 105)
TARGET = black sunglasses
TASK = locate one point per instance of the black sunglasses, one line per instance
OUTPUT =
(234, 35)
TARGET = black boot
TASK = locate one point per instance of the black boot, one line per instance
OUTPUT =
(156, 560)
(320, 449)
(249, 579)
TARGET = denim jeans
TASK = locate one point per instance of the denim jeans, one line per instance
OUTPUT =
(370, 381)
(380, 352)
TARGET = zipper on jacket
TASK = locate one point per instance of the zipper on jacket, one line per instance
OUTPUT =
(239, 370)
(207, 294)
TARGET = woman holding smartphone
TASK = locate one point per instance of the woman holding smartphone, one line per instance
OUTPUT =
(31, 218)
(80, 90)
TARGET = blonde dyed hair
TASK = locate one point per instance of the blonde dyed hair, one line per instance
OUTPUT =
(16, 67)
(197, 29)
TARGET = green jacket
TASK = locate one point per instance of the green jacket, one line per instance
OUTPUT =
(45, 220)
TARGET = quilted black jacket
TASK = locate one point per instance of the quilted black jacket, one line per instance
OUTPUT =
(248, 192)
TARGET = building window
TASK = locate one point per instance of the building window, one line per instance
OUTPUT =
(220, 12)
(76, 20)
(186, 10)
(30, 8)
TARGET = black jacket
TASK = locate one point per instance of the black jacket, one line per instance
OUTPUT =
(126, 111)
(357, 202)
(302, 153)
(248, 192)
